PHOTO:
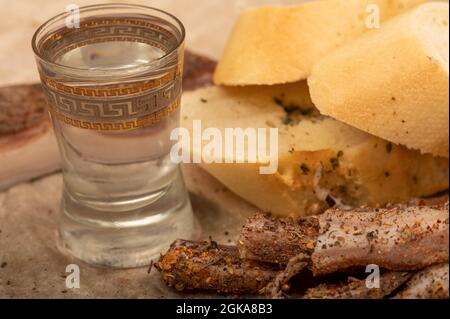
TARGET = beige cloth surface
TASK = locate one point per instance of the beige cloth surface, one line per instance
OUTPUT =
(30, 263)
(31, 266)
(207, 22)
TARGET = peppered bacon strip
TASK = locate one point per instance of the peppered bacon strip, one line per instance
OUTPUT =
(357, 289)
(274, 240)
(208, 266)
(399, 238)
(431, 283)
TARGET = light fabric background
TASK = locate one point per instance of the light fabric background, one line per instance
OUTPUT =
(208, 23)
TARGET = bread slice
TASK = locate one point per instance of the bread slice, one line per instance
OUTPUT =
(358, 168)
(392, 82)
(274, 44)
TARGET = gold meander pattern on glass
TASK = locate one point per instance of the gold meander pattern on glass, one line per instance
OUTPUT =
(121, 113)
(113, 90)
(122, 105)
(118, 126)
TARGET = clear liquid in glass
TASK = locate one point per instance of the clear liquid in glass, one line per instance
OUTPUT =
(124, 200)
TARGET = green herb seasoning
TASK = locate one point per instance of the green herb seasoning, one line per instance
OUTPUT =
(305, 169)
(334, 162)
(389, 147)
(278, 101)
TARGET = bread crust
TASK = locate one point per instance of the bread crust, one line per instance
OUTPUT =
(274, 45)
(392, 82)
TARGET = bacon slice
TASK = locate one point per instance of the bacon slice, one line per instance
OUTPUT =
(274, 240)
(431, 283)
(208, 266)
(399, 238)
(21, 107)
(27, 143)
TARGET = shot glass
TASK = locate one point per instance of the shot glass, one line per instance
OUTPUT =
(112, 77)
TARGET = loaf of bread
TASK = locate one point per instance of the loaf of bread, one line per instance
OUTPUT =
(358, 168)
(392, 82)
(273, 44)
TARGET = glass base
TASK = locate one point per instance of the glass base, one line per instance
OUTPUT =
(126, 239)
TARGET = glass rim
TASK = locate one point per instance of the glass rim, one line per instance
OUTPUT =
(89, 8)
